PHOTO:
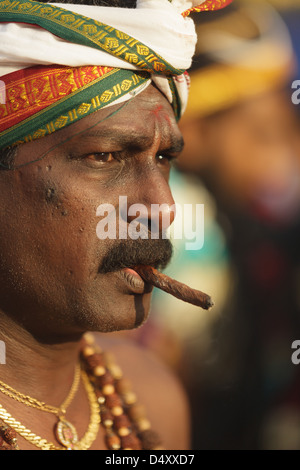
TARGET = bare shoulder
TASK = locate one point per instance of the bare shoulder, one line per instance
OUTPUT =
(156, 387)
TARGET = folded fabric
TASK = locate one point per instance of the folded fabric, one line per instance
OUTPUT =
(59, 65)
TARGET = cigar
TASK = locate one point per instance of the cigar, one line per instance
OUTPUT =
(177, 289)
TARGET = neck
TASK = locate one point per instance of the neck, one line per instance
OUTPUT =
(37, 368)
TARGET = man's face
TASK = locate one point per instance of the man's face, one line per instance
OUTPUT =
(51, 277)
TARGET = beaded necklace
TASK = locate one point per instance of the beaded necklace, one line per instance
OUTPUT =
(122, 417)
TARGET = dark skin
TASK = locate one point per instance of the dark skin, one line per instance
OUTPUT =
(50, 289)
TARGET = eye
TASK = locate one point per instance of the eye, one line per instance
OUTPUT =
(101, 160)
(164, 159)
(101, 157)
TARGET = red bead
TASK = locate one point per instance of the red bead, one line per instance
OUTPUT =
(5, 447)
(94, 360)
(9, 434)
(131, 442)
(106, 379)
(121, 421)
(106, 417)
(113, 400)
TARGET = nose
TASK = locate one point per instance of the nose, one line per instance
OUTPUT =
(152, 206)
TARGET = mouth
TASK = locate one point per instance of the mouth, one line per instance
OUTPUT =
(134, 282)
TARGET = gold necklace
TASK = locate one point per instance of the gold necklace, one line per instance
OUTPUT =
(63, 427)
(64, 433)
(33, 402)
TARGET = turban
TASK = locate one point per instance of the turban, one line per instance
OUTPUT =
(59, 65)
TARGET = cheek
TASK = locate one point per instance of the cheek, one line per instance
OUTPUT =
(70, 236)
(59, 226)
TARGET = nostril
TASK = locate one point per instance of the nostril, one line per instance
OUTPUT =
(148, 221)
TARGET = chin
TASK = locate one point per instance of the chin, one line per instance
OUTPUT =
(126, 312)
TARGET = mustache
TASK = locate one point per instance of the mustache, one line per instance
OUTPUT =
(129, 253)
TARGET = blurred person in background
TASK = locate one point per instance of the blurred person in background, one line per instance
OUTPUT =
(242, 145)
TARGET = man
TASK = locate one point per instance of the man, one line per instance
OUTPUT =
(60, 162)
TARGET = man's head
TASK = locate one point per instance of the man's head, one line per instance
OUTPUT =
(87, 136)
(51, 257)
(52, 275)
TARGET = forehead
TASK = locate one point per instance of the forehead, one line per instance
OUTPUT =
(138, 120)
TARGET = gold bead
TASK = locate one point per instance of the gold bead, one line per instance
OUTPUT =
(99, 370)
(117, 410)
(115, 371)
(143, 424)
(130, 398)
(116, 446)
(108, 423)
(108, 389)
(89, 338)
(123, 431)
(137, 412)
(88, 351)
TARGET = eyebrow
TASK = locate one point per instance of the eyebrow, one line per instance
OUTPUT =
(133, 139)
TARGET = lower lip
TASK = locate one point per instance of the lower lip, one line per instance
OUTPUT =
(134, 281)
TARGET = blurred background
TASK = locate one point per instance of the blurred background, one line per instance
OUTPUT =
(242, 161)
(242, 144)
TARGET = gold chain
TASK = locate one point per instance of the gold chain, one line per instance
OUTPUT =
(33, 402)
(43, 444)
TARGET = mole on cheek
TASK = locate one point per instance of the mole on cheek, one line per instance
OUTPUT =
(52, 197)
(50, 194)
